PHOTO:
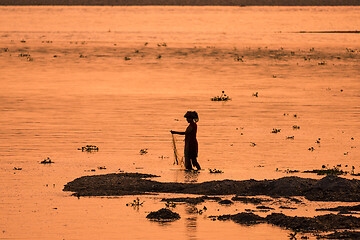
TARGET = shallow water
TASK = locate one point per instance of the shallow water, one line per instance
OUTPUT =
(50, 106)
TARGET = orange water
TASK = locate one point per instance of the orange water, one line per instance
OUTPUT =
(51, 106)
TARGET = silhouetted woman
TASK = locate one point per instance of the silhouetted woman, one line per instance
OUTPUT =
(191, 144)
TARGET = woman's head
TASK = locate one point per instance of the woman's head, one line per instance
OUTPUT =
(191, 116)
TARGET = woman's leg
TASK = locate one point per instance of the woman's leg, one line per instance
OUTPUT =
(195, 163)
(188, 163)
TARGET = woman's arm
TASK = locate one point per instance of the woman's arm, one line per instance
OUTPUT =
(175, 132)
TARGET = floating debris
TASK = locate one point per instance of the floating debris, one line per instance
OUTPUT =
(162, 44)
(255, 94)
(143, 151)
(127, 58)
(170, 204)
(17, 168)
(252, 144)
(46, 161)
(239, 59)
(322, 63)
(215, 170)
(135, 203)
(311, 149)
(222, 97)
(159, 56)
(23, 41)
(102, 168)
(89, 148)
(82, 56)
(296, 127)
(24, 55)
(292, 137)
(163, 214)
(275, 130)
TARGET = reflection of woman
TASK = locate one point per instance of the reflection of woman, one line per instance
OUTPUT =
(191, 144)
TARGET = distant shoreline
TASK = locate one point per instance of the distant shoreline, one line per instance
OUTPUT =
(241, 3)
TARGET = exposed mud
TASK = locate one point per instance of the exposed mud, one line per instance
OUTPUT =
(163, 214)
(328, 222)
(341, 209)
(329, 188)
(343, 235)
(191, 200)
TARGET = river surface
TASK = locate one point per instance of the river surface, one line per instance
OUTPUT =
(121, 78)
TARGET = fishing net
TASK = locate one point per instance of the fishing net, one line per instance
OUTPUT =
(179, 159)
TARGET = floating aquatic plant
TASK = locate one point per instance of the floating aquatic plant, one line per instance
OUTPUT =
(215, 170)
(335, 170)
(89, 148)
(143, 151)
(46, 161)
(275, 130)
(170, 204)
(135, 203)
(222, 97)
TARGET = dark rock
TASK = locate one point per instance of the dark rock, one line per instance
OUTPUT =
(163, 214)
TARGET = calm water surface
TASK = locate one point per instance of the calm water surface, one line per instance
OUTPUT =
(72, 86)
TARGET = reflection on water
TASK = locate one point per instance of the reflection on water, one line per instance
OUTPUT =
(72, 82)
(191, 176)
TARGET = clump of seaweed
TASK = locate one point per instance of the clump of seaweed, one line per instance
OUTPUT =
(89, 148)
(215, 170)
(222, 97)
(46, 161)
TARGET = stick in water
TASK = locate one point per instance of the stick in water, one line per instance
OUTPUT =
(176, 154)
